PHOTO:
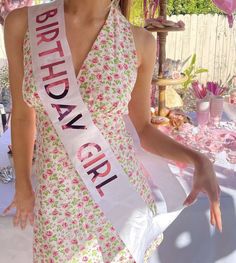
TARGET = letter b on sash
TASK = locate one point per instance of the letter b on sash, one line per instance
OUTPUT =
(44, 17)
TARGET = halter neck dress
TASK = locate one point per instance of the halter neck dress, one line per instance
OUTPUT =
(69, 226)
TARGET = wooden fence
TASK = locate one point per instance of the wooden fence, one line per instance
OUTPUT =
(214, 43)
(209, 36)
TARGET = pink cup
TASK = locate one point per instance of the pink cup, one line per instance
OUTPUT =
(203, 112)
(216, 109)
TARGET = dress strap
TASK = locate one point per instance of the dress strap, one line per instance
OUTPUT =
(115, 3)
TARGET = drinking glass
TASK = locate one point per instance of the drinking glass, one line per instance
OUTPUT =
(231, 158)
(216, 110)
(203, 111)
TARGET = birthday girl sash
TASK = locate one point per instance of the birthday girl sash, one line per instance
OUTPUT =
(89, 152)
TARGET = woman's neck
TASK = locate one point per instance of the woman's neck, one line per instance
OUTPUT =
(87, 9)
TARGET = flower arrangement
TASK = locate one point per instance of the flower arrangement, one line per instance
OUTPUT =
(200, 91)
(192, 71)
(215, 88)
(211, 88)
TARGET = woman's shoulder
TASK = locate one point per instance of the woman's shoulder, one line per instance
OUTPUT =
(16, 22)
(145, 42)
(142, 33)
(142, 36)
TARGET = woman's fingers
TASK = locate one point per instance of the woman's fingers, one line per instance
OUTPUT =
(31, 218)
(219, 191)
(213, 221)
(214, 197)
(191, 197)
(16, 218)
(215, 208)
(23, 220)
(6, 210)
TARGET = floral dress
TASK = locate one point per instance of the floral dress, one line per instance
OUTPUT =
(69, 226)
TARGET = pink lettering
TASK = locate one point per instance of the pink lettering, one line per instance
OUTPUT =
(59, 107)
(98, 187)
(70, 125)
(83, 156)
(64, 82)
(48, 36)
(54, 50)
(50, 68)
(94, 160)
(47, 26)
(44, 17)
(95, 172)
(87, 151)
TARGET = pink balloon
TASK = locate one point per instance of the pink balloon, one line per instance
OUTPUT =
(228, 7)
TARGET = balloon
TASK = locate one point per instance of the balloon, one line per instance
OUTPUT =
(228, 7)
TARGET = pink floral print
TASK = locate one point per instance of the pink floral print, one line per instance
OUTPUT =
(69, 226)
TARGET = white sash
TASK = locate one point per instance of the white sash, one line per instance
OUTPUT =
(89, 152)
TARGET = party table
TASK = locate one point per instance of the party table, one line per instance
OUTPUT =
(190, 239)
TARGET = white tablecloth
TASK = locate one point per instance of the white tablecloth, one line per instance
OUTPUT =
(190, 239)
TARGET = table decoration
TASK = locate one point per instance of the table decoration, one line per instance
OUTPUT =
(208, 140)
(174, 118)
(200, 91)
(7, 175)
(228, 7)
(171, 72)
(161, 25)
(173, 99)
(216, 110)
(192, 72)
(203, 111)
(215, 88)
(230, 109)
(230, 145)
(232, 96)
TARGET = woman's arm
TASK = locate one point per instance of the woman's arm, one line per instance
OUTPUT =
(151, 138)
(23, 117)
(157, 142)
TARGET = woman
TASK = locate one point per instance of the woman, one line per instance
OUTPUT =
(69, 226)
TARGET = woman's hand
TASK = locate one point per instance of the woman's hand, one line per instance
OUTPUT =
(204, 180)
(24, 203)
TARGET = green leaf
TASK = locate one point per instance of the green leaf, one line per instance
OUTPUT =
(193, 61)
(201, 70)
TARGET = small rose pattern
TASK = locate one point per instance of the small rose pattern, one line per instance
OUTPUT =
(69, 226)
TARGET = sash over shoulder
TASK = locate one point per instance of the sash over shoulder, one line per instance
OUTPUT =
(89, 152)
